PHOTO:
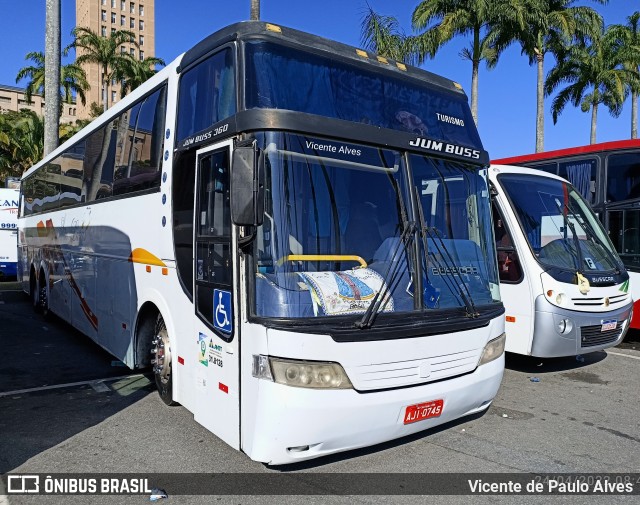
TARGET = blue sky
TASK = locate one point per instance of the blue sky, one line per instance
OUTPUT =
(506, 94)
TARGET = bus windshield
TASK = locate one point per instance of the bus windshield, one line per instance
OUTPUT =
(338, 229)
(558, 224)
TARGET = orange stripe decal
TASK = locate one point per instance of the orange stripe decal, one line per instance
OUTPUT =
(143, 256)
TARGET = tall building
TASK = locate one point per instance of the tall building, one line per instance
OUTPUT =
(105, 17)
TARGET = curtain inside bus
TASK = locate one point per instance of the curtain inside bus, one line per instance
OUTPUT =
(280, 77)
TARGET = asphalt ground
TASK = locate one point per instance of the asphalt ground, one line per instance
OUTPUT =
(67, 406)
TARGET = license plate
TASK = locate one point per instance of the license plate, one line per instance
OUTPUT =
(609, 325)
(421, 411)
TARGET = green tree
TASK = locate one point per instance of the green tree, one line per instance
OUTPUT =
(592, 75)
(543, 27)
(21, 141)
(73, 79)
(132, 72)
(628, 40)
(442, 20)
(383, 35)
(92, 48)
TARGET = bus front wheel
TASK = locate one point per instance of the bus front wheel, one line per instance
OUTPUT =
(161, 362)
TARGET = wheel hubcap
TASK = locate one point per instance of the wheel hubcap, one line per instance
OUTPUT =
(162, 356)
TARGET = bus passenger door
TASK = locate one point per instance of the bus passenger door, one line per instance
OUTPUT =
(216, 323)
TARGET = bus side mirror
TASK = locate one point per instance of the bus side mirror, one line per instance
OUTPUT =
(247, 186)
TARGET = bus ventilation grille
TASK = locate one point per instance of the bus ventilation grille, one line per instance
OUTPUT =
(592, 336)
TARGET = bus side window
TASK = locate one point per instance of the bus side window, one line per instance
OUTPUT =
(140, 141)
(207, 94)
(98, 163)
(509, 268)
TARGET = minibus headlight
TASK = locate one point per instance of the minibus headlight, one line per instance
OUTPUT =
(302, 374)
(562, 299)
(493, 350)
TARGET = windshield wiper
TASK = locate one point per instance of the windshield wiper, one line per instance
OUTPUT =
(576, 241)
(391, 277)
(451, 271)
(594, 237)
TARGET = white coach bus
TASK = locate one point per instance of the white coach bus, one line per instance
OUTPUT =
(565, 290)
(282, 226)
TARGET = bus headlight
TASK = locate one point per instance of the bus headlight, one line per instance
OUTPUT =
(301, 374)
(493, 349)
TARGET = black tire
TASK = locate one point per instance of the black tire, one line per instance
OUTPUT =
(43, 296)
(34, 293)
(162, 363)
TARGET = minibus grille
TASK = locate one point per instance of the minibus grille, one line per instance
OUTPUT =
(592, 335)
(601, 301)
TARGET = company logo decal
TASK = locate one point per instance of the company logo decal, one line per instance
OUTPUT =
(445, 147)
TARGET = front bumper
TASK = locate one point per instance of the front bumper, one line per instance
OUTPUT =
(296, 424)
(582, 337)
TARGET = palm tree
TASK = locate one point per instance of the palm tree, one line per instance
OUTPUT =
(132, 72)
(546, 27)
(103, 51)
(255, 10)
(383, 35)
(72, 79)
(52, 75)
(593, 74)
(628, 37)
(21, 141)
(444, 19)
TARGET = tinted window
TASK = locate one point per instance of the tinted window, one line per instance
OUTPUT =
(582, 174)
(284, 78)
(98, 163)
(42, 190)
(184, 175)
(214, 219)
(509, 268)
(623, 177)
(207, 94)
(140, 144)
(624, 231)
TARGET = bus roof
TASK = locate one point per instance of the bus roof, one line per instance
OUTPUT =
(259, 29)
(571, 151)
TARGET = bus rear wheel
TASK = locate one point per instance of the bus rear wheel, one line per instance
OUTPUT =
(43, 298)
(34, 291)
(161, 361)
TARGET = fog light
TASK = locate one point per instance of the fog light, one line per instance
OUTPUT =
(565, 326)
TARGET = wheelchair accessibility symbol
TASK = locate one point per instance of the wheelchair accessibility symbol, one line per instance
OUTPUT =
(222, 311)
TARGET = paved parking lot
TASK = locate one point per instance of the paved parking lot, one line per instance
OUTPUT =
(68, 406)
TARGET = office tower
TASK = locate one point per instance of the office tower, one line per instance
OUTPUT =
(105, 17)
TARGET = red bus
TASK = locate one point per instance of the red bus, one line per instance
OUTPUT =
(608, 176)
